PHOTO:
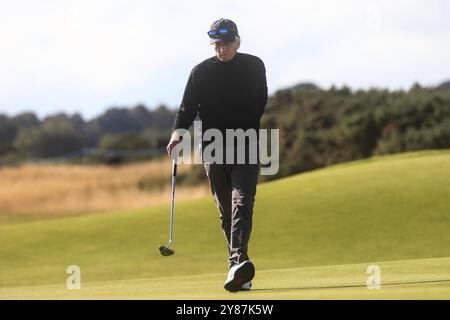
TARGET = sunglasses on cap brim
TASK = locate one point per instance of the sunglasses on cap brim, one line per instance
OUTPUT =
(221, 32)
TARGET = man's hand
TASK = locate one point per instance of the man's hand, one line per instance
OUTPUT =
(174, 140)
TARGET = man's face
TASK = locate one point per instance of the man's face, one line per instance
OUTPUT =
(226, 51)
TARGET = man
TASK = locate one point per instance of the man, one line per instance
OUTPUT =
(228, 91)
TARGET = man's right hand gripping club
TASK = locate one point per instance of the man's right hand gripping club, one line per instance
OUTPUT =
(175, 139)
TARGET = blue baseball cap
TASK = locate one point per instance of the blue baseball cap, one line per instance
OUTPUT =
(223, 30)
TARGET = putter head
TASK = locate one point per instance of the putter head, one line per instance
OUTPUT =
(166, 251)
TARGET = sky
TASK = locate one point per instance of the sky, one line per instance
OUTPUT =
(85, 56)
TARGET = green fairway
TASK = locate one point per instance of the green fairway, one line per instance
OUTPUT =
(408, 279)
(381, 209)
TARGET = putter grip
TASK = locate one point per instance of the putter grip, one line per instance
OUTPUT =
(174, 169)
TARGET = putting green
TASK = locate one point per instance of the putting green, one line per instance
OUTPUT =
(381, 209)
(408, 279)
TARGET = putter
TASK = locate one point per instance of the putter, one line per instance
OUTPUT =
(166, 251)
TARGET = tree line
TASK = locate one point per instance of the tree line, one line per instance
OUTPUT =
(317, 127)
(324, 127)
(26, 137)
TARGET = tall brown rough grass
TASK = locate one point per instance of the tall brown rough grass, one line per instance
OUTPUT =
(36, 191)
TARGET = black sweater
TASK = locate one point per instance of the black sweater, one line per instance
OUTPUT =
(225, 95)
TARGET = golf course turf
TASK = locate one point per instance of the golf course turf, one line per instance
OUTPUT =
(314, 235)
(405, 279)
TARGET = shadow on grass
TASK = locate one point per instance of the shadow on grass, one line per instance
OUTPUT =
(399, 283)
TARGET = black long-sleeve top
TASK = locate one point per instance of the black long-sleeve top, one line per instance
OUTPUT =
(225, 95)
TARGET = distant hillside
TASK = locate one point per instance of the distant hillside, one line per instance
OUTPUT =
(305, 86)
(26, 137)
(319, 128)
(444, 85)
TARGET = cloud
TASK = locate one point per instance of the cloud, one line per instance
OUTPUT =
(86, 55)
(378, 51)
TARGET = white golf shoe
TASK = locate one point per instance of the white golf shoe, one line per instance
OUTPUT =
(239, 276)
(246, 286)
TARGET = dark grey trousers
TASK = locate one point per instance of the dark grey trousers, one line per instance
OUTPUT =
(234, 188)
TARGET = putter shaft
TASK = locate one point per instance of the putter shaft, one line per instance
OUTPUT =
(174, 174)
(165, 250)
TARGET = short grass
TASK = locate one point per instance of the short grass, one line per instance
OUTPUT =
(408, 279)
(383, 209)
